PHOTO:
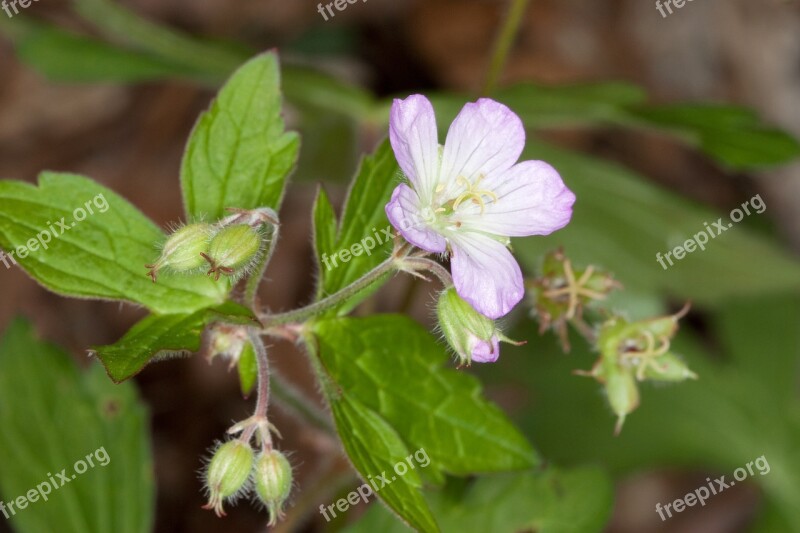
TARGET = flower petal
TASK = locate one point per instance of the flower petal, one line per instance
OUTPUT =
(532, 200)
(485, 274)
(408, 217)
(486, 352)
(415, 141)
(485, 138)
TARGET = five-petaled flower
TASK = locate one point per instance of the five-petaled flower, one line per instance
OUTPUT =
(472, 195)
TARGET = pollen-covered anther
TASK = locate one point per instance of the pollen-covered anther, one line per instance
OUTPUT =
(473, 192)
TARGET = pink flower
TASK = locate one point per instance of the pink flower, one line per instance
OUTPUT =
(469, 196)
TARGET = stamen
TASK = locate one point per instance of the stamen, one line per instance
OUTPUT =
(473, 193)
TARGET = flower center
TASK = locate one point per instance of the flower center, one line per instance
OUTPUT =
(472, 193)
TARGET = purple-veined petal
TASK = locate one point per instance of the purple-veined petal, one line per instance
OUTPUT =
(532, 200)
(485, 138)
(409, 218)
(415, 141)
(486, 352)
(485, 274)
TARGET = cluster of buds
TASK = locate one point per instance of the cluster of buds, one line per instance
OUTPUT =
(229, 247)
(235, 470)
(632, 352)
(562, 292)
(472, 336)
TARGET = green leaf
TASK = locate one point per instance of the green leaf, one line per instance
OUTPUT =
(621, 222)
(363, 224)
(553, 501)
(239, 154)
(732, 135)
(54, 416)
(162, 336)
(375, 448)
(393, 366)
(542, 106)
(324, 234)
(101, 257)
(68, 57)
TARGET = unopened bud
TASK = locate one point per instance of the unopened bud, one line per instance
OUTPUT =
(470, 334)
(273, 481)
(623, 396)
(227, 473)
(233, 249)
(183, 250)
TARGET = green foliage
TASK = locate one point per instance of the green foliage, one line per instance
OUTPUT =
(64, 416)
(621, 222)
(743, 406)
(101, 257)
(69, 57)
(363, 216)
(394, 367)
(163, 336)
(239, 154)
(553, 501)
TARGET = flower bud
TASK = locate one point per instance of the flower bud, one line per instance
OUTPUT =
(623, 395)
(470, 334)
(273, 481)
(668, 367)
(233, 249)
(227, 473)
(226, 340)
(183, 249)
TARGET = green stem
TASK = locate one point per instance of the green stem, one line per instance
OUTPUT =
(304, 313)
(503, 44)
(262, 402)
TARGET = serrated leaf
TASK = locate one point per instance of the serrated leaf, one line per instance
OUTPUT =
(621, 222)
(554, 501)
(101, 257)
(375, 448)
(239, 154)
(393, 366)
(363, 224)
(161, 336)
(68, 415)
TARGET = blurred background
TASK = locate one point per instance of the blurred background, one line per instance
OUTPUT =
(130, 137)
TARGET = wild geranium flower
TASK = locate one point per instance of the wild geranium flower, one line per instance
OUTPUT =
(468, 197)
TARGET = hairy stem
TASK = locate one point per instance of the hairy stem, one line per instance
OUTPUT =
(502, 45)
(304, 313)
(430, 265)
(262, 402)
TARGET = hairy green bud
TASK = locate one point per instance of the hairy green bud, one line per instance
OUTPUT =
(227, 473)
(273, 482)
(470, 334)
(182, 252)
(233, 249)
